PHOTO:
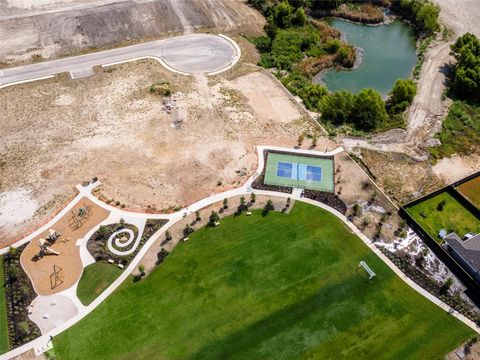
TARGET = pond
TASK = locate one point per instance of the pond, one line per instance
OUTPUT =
(389, 53)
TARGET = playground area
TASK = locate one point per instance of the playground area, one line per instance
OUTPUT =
(52, 259)
(304, 172)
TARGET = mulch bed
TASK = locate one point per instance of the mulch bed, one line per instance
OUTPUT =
(19, 294)
(329, 199)
(97, 244)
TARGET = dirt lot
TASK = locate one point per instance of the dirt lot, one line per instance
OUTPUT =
(401, 177)
(69, 259)
(42, 29)
(64, 131)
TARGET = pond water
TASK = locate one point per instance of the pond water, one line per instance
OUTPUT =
(389, 53)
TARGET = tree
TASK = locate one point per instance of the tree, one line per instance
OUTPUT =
(369, 110)
(141, 269)
(252, 198)
(466, 76)
(337, 107)
(168, 236)
(314, 140)
(441, 205)
(401, 96)
(282, 15)
(197, 215)
(300, 3)
(213, 218)
(243, 204)
(312, 94)
(423, 12)
(299, 18)
(225, 203)
(268, 207)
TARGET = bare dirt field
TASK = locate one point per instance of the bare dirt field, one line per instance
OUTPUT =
(69, 259)
(400, 176)
(33, 30)
(59, 132)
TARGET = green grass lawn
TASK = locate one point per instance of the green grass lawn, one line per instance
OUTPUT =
(274, 287)
(3, 313)
(95, 279)
(453, 217)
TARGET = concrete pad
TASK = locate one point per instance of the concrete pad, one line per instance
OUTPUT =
(49, 312)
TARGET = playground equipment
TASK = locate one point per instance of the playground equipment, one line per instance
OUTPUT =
(55, 277)
(78, 218)
(45, 249)
(45, 244)
(53, 235)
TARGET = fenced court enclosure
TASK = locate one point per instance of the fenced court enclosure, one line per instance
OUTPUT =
(306, 172)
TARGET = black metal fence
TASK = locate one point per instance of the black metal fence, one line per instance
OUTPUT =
(473, 287)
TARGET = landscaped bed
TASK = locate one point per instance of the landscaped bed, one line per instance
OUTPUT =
(471, 191)
(443, 211)
(275, 286)
(3, 313)
(19, 294)
(97, 244)
(95, 279)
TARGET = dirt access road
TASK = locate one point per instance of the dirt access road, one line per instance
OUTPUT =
(48, 29)
(428, 109)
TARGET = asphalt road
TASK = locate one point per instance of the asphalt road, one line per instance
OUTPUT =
(190, 54)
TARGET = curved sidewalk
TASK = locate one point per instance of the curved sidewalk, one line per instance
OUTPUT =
(186, 54)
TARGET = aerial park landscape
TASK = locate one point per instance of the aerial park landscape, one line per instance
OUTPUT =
(240, 179)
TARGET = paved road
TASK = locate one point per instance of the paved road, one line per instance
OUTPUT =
(190, 54)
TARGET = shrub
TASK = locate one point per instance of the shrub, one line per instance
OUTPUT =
(213, 218)
(441, 205)
(356, 210)
(161, 88)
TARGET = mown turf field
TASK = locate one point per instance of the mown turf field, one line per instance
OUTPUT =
(3, 313)
(95, 279)
(452, 217)
(274, 287)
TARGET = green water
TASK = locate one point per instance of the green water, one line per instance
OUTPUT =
(388, 54)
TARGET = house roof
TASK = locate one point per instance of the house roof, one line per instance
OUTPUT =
(469, 249)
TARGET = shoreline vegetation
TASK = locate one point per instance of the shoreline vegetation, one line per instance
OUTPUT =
(298, 46)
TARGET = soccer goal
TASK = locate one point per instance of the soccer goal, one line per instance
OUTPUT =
(370, 272)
